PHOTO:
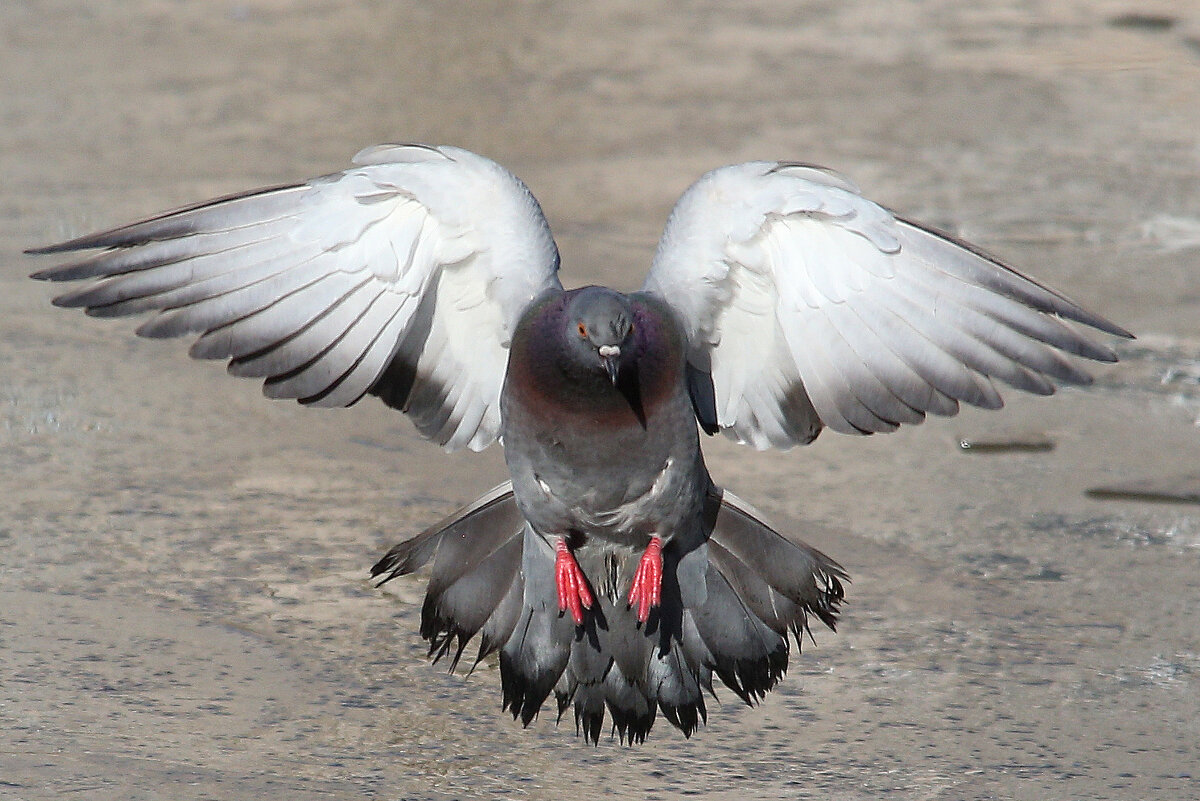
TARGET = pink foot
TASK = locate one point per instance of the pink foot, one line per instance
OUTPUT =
(646, 591)
(573, 592)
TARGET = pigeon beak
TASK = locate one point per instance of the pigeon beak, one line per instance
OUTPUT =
(610, 355)
(612, 366)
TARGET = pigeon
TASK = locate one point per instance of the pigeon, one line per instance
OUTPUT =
(610, 570)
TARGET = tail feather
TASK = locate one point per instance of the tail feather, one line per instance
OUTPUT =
(454, 613)
(772, 608)
(587, 667)
(582, 685)
(492, 577)
(503, 621)
(472, 528)
(408, 556)
(470, 536)
(795, 570)
(477, 562)
(533, 659)
(699, 659)
(608, 670)
(677, 687)
(632, 710)
(747, 655)
(588, 702)
(619, 636)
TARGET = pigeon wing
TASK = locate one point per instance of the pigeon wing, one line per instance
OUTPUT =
(807, 305)
(402, 277)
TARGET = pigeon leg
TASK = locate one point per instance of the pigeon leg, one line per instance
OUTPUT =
(573, 592)
(646, 591)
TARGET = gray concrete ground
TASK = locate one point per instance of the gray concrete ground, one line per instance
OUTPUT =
(184, 610)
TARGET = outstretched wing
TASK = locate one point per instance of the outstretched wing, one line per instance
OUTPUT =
(807, 305)
(402, 277)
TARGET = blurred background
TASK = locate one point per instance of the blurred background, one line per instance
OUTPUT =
(184, 608)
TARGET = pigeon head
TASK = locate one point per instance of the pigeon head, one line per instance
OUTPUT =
(599, 324)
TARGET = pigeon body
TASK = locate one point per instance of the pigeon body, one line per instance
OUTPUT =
(591, 456)
(610, 570)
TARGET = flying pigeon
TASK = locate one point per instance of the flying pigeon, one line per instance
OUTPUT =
(610, 570)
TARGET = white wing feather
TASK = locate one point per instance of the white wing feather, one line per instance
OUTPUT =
(807, 305)
(403, 276)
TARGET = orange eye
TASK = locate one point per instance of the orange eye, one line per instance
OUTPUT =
(583, 331)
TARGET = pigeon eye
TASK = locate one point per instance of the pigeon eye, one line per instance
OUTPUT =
(583, 331)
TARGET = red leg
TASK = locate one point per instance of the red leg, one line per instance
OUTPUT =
(573, 592)
(646, 591)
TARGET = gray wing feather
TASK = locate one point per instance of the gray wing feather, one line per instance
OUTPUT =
(314, 287)
(790, 284)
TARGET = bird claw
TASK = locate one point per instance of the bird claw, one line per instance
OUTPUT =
(646, 590)
(573, 592)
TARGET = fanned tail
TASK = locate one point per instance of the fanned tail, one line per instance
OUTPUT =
(475, 586)
(730, 608)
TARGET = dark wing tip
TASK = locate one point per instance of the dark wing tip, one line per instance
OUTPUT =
(167, 225)
(1100, 324)
(85, 242)
(1116, 330)
(47, 273)
(67, 301)
(1070, 309)
(124, 236)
